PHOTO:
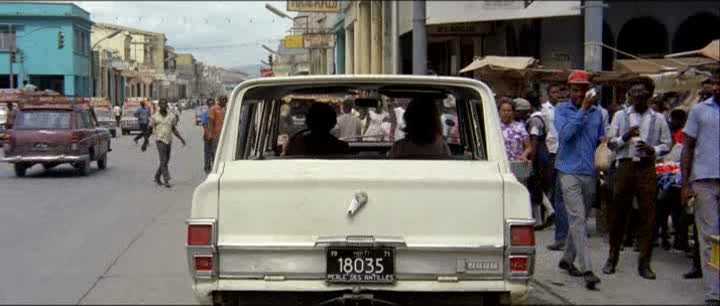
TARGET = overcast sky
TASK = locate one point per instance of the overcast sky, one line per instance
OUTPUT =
(223, 33)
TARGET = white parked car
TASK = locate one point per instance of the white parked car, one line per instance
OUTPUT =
(348, 221)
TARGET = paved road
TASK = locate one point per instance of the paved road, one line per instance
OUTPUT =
(114, 237)
(111, 237)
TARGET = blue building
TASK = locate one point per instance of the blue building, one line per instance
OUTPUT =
(51, 43)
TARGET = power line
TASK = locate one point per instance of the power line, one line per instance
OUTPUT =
(225, 46)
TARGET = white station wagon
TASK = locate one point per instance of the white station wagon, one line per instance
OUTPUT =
(309, 201)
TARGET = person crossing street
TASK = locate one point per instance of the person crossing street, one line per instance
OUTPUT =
(143, 116)
(164, 124)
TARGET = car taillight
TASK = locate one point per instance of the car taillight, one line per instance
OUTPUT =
(199, 234)
(519, 264)
(204, 263)
(522, 235)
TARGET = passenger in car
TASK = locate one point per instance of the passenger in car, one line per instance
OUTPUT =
(423, 133)
(317, 139)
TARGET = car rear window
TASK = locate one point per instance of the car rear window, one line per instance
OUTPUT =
(365, 122)
(43, 120)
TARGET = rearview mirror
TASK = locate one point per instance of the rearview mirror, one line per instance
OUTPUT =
(367, 103)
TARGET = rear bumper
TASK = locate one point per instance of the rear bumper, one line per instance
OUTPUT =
(46, 159)
(204, 289)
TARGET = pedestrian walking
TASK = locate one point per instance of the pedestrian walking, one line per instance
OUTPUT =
(375, 131)
(143, 116)
(537, 129)
(117, 113)
(216, 118)
(349, 127)
(164, 124)
(638, 136)
(517, 140)
(580, 131)
(554, 93)
(11, 115)
(208, 152)
(701, 175)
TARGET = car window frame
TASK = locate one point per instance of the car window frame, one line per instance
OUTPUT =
(464, 93)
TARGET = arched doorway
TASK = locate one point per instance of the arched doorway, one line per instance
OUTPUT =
(644, 37)
(696, 32)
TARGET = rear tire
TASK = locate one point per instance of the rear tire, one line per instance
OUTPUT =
(47, 166)
(113, 133)
(20, 170)
(83, 167)
(102, 162)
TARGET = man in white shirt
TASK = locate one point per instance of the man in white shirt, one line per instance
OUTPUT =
(554, 93)
(638, 136)
(348, 127)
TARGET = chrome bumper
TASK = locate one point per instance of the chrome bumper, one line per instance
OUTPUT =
(46, 159)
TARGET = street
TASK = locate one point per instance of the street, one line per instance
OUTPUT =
(114, 237)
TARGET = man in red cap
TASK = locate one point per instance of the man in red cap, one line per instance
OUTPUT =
(580, 130)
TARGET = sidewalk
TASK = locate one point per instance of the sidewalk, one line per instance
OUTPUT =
(623, 287)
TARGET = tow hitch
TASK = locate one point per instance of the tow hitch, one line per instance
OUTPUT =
(354, 299)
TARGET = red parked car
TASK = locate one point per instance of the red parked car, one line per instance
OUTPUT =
(56, 130)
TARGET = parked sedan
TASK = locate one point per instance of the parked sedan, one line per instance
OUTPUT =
(56, 133)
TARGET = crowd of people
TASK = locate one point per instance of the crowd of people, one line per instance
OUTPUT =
(563, 138)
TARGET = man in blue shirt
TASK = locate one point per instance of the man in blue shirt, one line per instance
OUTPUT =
(701, 172)
(143, 116)
(580, 130)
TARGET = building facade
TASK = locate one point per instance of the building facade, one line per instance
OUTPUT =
(51, 44)
(144, 56)
(556, 32)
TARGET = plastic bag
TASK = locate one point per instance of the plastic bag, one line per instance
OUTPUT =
(603, 157)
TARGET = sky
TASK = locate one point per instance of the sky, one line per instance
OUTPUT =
(222, 33)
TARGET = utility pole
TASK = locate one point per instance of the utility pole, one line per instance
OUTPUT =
(11, 56)
(594, 34)
(419, 38)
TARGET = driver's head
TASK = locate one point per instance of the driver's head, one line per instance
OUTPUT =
(321, 118)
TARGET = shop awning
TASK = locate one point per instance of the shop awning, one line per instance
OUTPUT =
(660, 65)
(500, 62)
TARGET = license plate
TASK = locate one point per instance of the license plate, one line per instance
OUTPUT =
(361, 265)
(40, 147)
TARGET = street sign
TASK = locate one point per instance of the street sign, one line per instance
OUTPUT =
(327, 6)
(293, 42)
(318, 41)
